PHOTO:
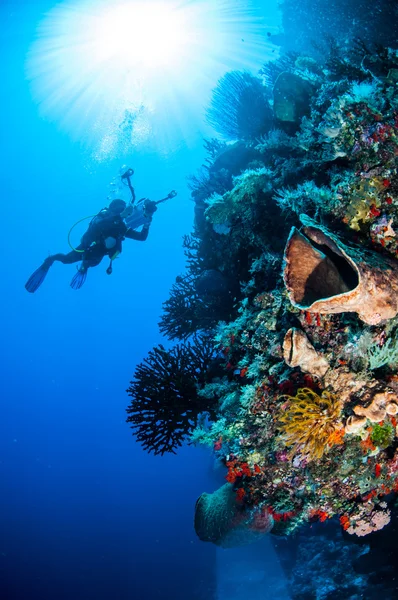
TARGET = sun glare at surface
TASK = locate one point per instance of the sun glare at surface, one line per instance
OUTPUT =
(118, 75)
(141, 35)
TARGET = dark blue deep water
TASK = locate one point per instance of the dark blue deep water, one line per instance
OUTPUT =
(85, 512)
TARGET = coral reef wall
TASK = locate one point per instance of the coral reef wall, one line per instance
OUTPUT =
(306, 385)
(291, 292)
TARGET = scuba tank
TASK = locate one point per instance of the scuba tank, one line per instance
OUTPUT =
(135, 215)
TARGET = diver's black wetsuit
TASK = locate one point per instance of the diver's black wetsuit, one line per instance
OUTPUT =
(104, 237)
(92, 248)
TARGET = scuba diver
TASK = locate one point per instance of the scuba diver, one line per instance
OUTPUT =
(104, 237)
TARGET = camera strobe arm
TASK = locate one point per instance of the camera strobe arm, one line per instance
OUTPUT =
(127, 176)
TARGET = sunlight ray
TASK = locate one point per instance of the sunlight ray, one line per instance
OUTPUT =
(118, 75)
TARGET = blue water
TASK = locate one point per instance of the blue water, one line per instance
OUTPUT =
(84, 512)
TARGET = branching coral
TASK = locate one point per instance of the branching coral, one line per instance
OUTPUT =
(278, 142)
(272, 69)
(239, 108)
(340, 66)
(387, 354)
(309, 423)
(189, 309)
(202, 185)
(165, 402)
(306, 198)
(214, 148)
(243, 203)
(248, 211)
(183, 310)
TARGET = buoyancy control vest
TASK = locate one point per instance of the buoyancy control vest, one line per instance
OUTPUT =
(103, 226)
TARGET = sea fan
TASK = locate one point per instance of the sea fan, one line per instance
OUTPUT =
(239, 108)
(165, 402)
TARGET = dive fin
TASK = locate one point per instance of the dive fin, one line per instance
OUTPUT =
(78, 279)
(37, 278)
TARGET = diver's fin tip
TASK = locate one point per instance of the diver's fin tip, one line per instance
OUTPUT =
(36, 279)
(78, 280)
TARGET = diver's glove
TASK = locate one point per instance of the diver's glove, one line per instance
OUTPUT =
(150, 208)
(147, 225)
(148, 222)
(172, 194)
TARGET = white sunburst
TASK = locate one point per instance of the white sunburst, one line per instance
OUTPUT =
(133, 73)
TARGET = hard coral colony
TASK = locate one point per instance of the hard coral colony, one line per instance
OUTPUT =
(300, 393)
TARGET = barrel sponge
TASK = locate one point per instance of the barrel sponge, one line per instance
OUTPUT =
(221, 520)
(325, 276)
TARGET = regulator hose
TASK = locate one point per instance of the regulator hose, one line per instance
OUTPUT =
(72, 228)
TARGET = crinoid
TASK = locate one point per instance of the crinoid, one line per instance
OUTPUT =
(309, 422)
